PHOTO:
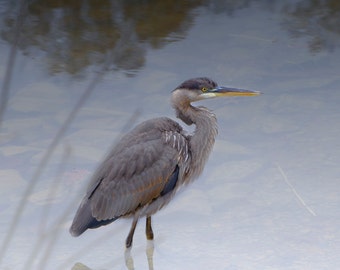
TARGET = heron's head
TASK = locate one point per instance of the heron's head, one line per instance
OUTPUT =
(204, 88)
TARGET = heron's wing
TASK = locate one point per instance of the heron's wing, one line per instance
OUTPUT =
(141, 168)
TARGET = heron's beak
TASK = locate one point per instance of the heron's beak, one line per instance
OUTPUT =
(226, 91)
(222, 91)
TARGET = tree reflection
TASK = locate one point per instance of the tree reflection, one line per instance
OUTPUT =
(317, 20)
(76, 34)
(73, 36)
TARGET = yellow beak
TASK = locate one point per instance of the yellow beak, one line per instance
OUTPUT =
(222, 91)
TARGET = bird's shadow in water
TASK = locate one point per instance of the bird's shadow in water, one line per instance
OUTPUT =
(129, 263)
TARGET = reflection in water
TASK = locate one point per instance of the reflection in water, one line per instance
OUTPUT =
(149, 255)
(319, 21)
(128, 259)
(80, 266)
(129, 262)
(75, 35)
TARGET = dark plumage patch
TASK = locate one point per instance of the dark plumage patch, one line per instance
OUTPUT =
(170, 185)
(84, 219)
(198, 84)
(96, 223)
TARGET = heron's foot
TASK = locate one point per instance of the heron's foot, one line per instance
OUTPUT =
(148, 229)
(128, 241)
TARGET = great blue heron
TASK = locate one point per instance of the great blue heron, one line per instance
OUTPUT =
(145, 169)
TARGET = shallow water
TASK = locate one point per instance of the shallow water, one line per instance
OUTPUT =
(269, 194)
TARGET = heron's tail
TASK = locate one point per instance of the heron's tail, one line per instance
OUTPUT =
(84, 220)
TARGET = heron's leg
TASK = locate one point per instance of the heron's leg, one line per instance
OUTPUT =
(128, 242)
(148, 228)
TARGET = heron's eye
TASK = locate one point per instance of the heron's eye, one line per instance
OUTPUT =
(204, 89)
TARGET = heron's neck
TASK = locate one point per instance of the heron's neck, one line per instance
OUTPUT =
(203, 138)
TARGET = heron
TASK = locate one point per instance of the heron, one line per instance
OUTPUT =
(145, 169)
